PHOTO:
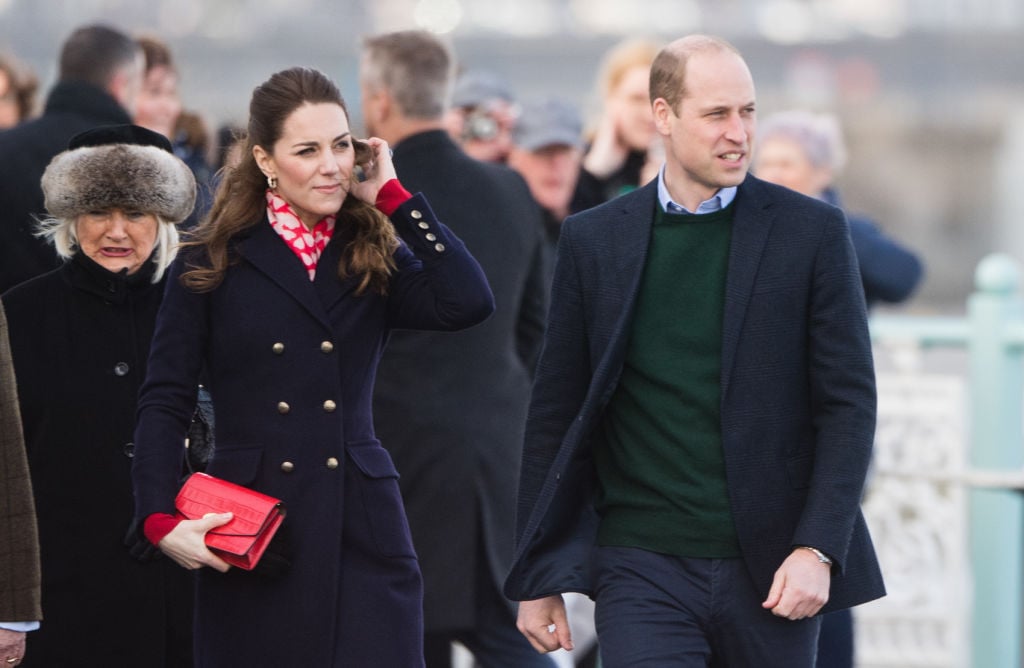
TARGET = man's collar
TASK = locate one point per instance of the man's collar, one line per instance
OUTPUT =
(716, 202)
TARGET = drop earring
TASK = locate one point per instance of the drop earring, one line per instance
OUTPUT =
(272, 182)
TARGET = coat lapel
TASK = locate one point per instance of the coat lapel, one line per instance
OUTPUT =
(752, 223)
(269, 254)
(329, 288)
(633, 238)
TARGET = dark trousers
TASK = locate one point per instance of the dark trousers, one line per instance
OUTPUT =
(835, 644)
(655, 610)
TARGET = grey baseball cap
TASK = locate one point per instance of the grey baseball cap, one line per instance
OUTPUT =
(478, 87)
(547, 122)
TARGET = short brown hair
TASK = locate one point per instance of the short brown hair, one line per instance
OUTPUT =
(668, 71)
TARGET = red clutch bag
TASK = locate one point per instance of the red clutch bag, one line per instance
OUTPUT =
(242, 541)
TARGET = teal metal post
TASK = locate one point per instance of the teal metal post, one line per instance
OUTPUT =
(997, 443)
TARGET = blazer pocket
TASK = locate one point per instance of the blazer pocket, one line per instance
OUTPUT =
(376, 482)
(237, 463)
(799, 470)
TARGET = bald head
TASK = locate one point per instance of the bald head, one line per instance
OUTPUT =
(668, 71)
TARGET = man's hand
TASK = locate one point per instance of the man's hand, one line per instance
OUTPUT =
(544, 623)
(12, 646)
(800, 587)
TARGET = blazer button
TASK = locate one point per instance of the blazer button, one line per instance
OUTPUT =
(121, 369)
(416, 214)
(283, 408)
(129, 450)
(326, 347)
(287, 467)
(332, 463)
(439, 247)
(430, 236)
(329, 406)
(424, 225)
(278, 348)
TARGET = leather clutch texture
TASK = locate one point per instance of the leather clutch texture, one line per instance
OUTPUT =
(257, 517)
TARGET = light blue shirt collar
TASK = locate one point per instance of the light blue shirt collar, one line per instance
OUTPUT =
(717, 202)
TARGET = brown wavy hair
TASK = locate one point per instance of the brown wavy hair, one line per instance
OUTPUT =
(240, 202)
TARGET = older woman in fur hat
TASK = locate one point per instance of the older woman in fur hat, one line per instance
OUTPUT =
(79, 340)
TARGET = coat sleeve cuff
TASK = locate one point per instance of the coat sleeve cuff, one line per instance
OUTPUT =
(391, 196)
(159, 525)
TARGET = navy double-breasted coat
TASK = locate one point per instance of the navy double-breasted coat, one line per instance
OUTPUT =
(290, 364)
(798, 393)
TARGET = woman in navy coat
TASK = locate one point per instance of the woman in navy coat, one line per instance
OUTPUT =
(288, 344)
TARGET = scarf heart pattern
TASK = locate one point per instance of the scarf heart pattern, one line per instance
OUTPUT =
(307, 244)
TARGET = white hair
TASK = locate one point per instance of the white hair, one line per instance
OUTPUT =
(62, 234)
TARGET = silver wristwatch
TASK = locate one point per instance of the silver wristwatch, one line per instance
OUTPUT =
(822, 557)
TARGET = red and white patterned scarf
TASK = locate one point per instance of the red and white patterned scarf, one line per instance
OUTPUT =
(305, 243)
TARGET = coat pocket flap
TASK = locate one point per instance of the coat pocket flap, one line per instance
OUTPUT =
(373, 460)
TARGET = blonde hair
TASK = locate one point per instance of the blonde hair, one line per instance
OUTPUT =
(63, 235)
(622, 58)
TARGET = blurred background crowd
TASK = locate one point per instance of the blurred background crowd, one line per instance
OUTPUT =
(928, 94)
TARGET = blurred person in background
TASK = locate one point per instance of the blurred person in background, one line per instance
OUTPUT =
(482, 115)
(547, 150)
(618, 154)
(99, 77)
(18, 87)
(159, 108)
(20, 609)
(285, 300)
(451, 407)
(805, 152)
(79, 339)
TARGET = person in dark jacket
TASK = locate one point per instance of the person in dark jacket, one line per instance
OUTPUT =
(79, 339)
(100, 74)
(451, 408)
(804, 151)
(295, 281)
(702, 420)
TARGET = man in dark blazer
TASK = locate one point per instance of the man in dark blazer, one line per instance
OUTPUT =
(704, 410)
(100, 74)
(451, 407)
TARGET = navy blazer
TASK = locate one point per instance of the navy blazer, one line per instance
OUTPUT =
(290, 364)
(798, 394)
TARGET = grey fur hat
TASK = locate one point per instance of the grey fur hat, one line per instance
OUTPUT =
(121, 166)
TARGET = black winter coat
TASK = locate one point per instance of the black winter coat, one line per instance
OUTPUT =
(451, 407)
(79, 338)
(25, 151)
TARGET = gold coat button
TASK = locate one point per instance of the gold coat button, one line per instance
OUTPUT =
(283, 408)
(332, 463)
(416, 214)
(287, 467)
(439, 247)
(278, 348)
(329, 406)
(424, 225)
(326, 347)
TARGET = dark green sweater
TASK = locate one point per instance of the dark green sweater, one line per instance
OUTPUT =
(659, 461)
